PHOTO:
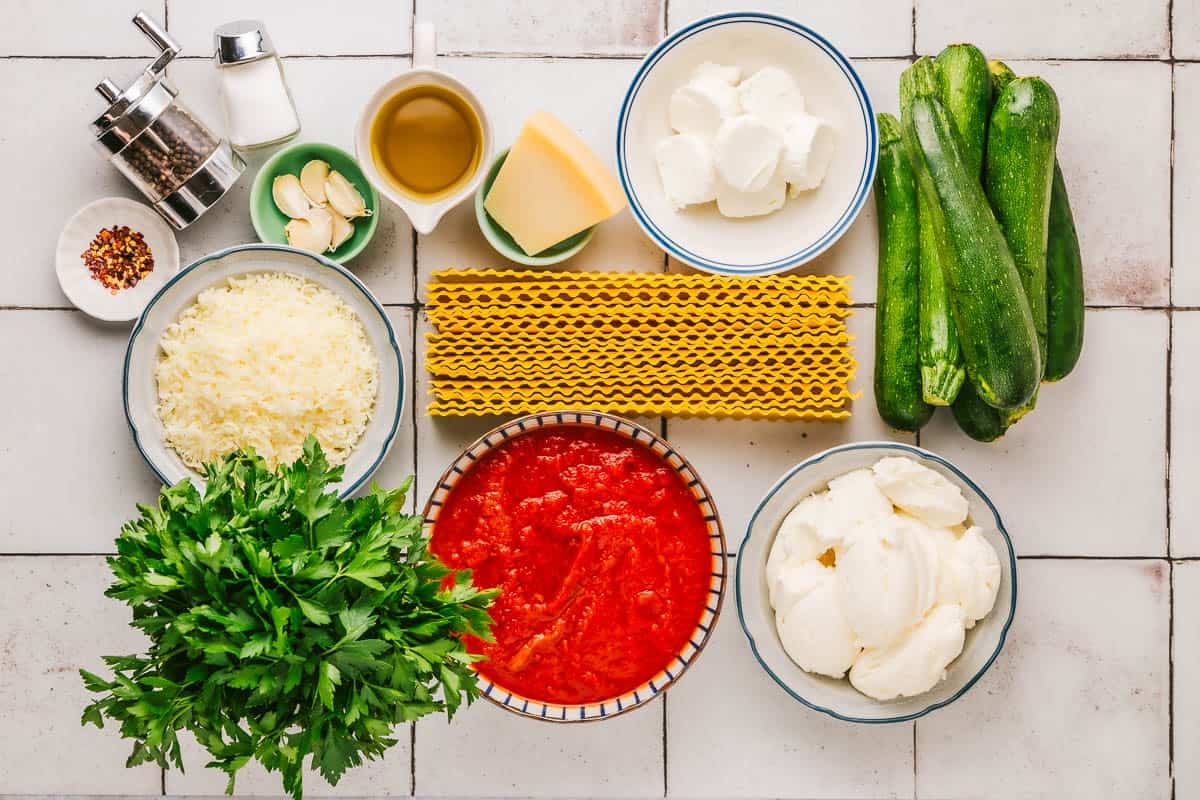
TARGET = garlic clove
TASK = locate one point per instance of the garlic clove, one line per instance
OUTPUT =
(343, 229)
(344, 198)
(313, 232)
(312, 180)
(289, 197)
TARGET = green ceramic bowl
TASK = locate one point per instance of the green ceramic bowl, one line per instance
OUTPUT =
(503, 244)
(269, 221)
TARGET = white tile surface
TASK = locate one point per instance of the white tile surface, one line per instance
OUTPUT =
(739, 460)
(76, 28)
(857, 28)
(1063, 480)
(489, 751)
(300, 28)
(1076, 704)
(329, 95)
(1186, 279)
(390, 776)
(47, 154)
(401, 460)
(1185, 433)
(511, 90)
(616, 27)
(1046, 28)
(69, 473)
(732, 732)
(54, 621)
(1186, 651)
(1083, 476)
(1185, 43)
(1109, 155)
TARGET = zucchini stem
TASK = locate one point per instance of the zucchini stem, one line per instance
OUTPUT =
(942, 382)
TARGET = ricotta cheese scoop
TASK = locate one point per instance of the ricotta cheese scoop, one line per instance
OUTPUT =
(879, 577)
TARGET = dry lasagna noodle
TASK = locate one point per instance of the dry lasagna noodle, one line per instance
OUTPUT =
(771, 347)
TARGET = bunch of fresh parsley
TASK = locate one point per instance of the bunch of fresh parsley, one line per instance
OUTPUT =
(284, 622)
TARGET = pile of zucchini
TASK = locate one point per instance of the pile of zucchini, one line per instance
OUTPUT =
(980, 277)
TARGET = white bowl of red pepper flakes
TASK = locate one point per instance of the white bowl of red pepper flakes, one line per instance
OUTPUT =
(113, 255)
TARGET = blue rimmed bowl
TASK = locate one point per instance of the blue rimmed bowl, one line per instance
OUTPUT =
(138, 384)
(687, 655)
(837, 697)
(807, 225)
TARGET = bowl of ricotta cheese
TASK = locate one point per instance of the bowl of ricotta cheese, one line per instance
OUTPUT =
(876, 582)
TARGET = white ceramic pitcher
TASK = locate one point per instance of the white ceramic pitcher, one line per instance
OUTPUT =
(424, 214)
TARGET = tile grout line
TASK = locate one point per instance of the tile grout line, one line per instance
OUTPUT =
(595, 56)
(917, 434)
(418, 306)
(1170, 406)
(416, 314)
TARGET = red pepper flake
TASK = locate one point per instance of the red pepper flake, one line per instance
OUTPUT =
(118, 258)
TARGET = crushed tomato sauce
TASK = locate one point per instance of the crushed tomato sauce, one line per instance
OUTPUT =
(601, 553)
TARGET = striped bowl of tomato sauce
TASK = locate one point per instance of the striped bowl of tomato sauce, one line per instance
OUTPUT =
(608, 552)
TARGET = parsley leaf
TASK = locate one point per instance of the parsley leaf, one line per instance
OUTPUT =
(286, 625)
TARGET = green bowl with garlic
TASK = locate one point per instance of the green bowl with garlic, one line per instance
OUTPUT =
(270, 222)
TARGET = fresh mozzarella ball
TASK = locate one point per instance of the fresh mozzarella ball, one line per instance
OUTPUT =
(854, 499)
(813, 630)
(735, 204)
(809, 145)
(921, 491)
(888, 578)
(686, 168)
(701, 105)
(746, 153)
(771, 95)
(914, 663)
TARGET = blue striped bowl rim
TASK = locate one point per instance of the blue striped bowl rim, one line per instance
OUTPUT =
(216, 256)
(823, 242)
(925, 455)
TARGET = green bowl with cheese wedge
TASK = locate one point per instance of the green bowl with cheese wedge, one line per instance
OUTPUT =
(505, 245)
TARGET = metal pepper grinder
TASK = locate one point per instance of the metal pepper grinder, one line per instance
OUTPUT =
(175, 160)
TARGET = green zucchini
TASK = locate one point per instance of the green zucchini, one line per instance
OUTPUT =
(976, 418)
(897, 363)
(1064, 286)
(1002, 74)
(1064, 268)
(965, 84)
(991, 314)
(1019, 170)
(942, 371)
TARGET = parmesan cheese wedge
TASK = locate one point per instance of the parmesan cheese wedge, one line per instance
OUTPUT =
(551, 187)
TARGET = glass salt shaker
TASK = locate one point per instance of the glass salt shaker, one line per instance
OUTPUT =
(259, 111)
(181, 166)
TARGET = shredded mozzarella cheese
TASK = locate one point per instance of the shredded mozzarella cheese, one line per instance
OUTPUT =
(263, 361)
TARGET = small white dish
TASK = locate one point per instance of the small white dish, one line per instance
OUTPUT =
(807, 225)
(84, 291)
(140, 391)
(838, 698)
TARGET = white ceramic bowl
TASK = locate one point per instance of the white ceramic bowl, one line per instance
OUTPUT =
(807, 225)
(84, 291)
(140, 392)
(672, 671)
(837, 697)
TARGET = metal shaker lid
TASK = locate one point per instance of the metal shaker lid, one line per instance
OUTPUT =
(133, 108)
(242, 40)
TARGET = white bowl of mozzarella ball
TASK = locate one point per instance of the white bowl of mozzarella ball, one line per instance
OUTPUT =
(746, 144)
(876, 582)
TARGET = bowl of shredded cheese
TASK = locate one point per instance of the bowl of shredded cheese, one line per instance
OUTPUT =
(261, 346)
